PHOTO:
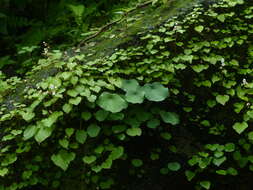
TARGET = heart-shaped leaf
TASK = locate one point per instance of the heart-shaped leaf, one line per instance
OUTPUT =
(64, 143)
(89, 159)
(63, 159)
(205, 184)
(250, 135)
(240, 127)
(3, 172)
(222, 99)
(30, 132)
(43, 133)
(81, 136)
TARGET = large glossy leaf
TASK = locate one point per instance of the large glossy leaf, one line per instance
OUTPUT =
(111, 102)
(155, 92)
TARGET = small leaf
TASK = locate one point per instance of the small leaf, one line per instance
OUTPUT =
(137, 162)
(135, 131)
(67, 108)
(63, 159)
(165, 135)
(229, 147)
(101, 115)
(27, 116)
(199, 28)
(93, 130)
(3, 172)
(219, 161)
(69, 131)
(170, 117)
(81, 136)
(222, 99)
(117, 153)
(64, 143)
(75, 101)
(205, 184)
(86, 115)
(89, 159)
(189, 174)
(153, 123)
(240, 127)
(174, 166)
(30, 132)
(43, 133)
(250, 135)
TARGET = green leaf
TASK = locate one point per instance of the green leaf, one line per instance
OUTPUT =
(165, 135)
(75, 101)
(174, 166)
(205, 184)
(3, 172)
(48, 122)
(232, 171)
(69, 131)
(86, 115)
(155, 92)
(221, 17)
(117, 153)
(229, 147)
(199, 28)
(222, 99)
(43, 133)
(189, 174)
(240, 127)
(101, 115)
(153, 123)
(219, 161)
(135, 97)
(64, 143)
(67, 108)
(118, 128)
(199, 68)
(81, 136)
(129, 85)
(27, 116)
(63, 159)
(170, 117)
(137, 163)
(30, 132)
(111, 102)
(93, 130)
(250, 135)
(135, 131)
(89, 159)
(78, 10)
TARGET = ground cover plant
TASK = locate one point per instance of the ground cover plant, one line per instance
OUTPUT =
(167, 106)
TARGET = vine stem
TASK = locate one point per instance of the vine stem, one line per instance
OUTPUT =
(107, 26)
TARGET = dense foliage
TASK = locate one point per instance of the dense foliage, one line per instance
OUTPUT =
(173, 104)
(27, 27)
